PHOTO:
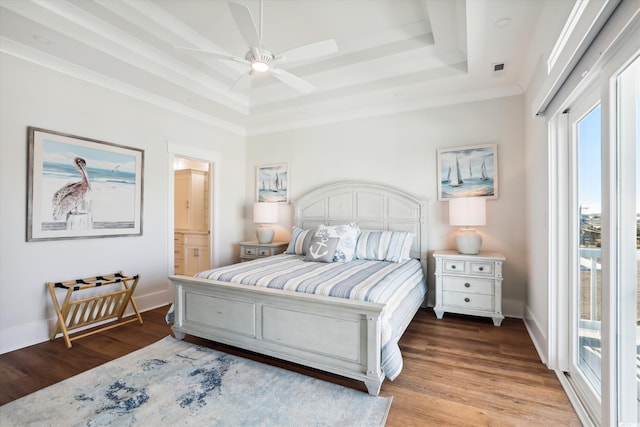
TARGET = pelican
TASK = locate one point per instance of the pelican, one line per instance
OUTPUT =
(72, 194)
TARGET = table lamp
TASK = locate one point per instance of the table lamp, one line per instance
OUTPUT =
(468, 212)
(264, 214)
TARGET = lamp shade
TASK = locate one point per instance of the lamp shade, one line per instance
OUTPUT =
(468, 211)
(265, 213)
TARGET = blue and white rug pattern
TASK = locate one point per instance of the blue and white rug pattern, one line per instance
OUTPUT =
(173, 382)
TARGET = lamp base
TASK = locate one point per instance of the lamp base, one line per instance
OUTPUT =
(265, 234)
(468, 242)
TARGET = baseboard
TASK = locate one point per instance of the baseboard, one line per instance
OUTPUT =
(512, 308)
(539, 339)
(21, 336)
(25, 335)
(150, 301)
(537, 335)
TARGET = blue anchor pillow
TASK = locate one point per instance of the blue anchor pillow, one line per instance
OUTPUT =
(322, 249)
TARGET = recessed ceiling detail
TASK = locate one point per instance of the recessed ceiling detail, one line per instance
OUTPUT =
(359, 56)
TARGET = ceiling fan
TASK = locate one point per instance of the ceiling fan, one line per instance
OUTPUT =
(261, 60)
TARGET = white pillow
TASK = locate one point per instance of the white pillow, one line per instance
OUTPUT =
(348, 234)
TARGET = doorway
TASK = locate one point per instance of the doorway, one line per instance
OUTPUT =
(192, 213)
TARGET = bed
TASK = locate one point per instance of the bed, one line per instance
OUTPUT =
(356, 338)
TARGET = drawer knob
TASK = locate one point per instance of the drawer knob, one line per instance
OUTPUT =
(467, 285)
(481, 268)
(453, 267)
(467, 300)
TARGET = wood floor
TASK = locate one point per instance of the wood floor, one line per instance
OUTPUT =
(459, 371)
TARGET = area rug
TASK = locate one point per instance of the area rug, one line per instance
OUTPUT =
(173, 382)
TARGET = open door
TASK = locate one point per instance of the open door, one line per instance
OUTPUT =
(192, 229)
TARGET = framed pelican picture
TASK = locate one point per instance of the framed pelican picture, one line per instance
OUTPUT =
(469, 171)
(81, 187)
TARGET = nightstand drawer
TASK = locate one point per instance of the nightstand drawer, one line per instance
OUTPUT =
(254, 250)
(468, 301)
(249, 251)
(453, 266)
(481, 268)
(469, 285)
(264, 252)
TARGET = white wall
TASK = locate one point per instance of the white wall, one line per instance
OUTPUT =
(35, 96)
(400, 150)
(536, 314)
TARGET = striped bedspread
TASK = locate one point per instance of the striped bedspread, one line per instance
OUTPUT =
(401, 286)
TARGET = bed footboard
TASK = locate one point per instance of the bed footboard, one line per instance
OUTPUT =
(335, 335)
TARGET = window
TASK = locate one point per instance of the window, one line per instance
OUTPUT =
(599, 134)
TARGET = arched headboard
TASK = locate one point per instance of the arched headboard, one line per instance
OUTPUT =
(371, 206)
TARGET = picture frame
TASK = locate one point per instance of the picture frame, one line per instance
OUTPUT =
(81, 187)
(272, 183)
(468, 171)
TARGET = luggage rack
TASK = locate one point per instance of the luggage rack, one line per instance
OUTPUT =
(81, 312)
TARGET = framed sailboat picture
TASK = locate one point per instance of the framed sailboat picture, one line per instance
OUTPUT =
(469, 171)
(272, 183)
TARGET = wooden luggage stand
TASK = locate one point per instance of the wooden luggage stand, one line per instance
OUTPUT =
(81, 312)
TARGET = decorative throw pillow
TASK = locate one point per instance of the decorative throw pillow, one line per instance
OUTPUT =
(399, 249)
(394, 246)
(348, 235)
(372, 245)
(322, 249)
(300, 240)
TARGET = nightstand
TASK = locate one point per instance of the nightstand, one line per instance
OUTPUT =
(254, 250)
(469, 284)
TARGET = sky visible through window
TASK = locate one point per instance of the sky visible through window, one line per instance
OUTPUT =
(589, 160)
(589, 163)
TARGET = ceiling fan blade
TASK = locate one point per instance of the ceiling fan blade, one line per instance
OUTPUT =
(242, 82)
(291, 80)
(245, 23)
(215, 54)
(310, 51)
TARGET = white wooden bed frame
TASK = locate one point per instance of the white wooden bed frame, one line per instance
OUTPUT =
(331, 334)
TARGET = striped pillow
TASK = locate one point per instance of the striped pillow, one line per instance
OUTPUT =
(394, 246)
(300, 241)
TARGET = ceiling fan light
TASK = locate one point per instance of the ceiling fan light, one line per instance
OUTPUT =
(259, 66)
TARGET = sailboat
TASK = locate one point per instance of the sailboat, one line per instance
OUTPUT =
(483, 171)
(448, 178)
(456, 181)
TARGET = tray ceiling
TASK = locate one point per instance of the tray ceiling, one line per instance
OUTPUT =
(393, 55)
